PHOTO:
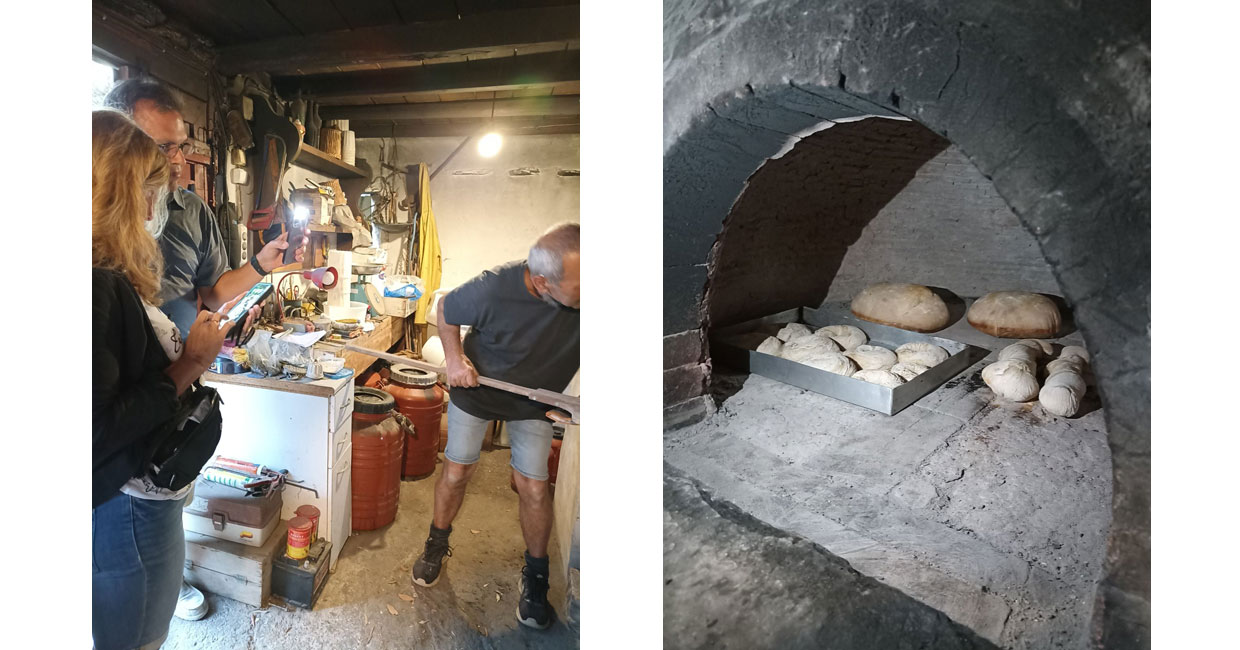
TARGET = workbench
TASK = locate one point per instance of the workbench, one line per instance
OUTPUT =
(305, 427)
(387, 332)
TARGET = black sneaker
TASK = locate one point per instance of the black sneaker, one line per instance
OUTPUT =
(534, 610)
(426, 569)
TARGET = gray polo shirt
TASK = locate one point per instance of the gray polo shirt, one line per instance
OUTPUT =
(194, 256)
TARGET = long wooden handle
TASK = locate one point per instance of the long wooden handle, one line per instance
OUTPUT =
(558, 400)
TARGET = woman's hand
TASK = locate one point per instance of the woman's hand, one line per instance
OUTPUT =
(206, 337)
(202, 344)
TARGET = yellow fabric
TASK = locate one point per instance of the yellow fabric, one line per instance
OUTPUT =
(430, 262)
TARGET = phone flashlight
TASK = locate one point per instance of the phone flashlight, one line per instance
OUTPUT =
(296, 231)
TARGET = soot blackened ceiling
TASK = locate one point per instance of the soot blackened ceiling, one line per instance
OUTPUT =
(352, 55)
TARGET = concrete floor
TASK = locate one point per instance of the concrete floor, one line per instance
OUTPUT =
(994, 514)
(473, 605)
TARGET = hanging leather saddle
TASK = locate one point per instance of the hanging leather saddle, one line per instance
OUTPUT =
(279, 140)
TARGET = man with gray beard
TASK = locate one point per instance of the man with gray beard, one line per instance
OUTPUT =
(524, 322)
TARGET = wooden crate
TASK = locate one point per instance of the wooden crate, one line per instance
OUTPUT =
(232, 570)
(399, 307)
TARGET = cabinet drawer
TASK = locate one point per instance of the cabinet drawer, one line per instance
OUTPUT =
(340, 409)
(342, 438)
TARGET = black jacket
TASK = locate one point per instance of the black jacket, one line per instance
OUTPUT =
(132, 397)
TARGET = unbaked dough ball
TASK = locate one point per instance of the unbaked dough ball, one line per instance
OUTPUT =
(926, 354)
(771, 345)
(834, 362)
(1015, 315)
(793, 331)
(1021, 351)
(1046, 348)
(873, 357)
(805, 347)
(1074, 351)
(1065, 385)
(1062, 393)
(1012, 379)
(880, 377)
(908, 371)
(1068, 364)
(907, 306)
(847, 336)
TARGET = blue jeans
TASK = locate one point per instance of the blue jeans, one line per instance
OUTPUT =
(530, 440)
(138, 556)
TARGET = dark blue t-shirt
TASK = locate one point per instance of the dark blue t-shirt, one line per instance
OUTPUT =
(514, 337)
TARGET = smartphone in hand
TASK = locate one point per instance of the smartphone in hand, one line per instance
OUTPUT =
(258, 293)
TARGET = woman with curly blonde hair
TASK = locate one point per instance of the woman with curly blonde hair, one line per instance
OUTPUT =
(141, 369)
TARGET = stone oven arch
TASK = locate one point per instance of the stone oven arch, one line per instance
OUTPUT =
(1051, 105)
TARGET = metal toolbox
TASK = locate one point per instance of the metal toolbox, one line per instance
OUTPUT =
(735, 346)
(226, 513)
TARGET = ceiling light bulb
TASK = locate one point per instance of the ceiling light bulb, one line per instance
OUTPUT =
(489, 144)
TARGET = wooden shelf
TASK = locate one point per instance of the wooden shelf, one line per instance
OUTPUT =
(311, 158)
(288, 268)
(314, 227)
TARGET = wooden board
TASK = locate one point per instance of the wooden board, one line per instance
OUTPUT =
(387, 333)
(319, 388)
(232, 570)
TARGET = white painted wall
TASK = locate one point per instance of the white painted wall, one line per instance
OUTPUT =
(488, 220)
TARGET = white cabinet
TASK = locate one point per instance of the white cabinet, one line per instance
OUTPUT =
(305, 428)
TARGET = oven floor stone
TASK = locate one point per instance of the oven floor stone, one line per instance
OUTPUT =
(730, 581)
(995, 514)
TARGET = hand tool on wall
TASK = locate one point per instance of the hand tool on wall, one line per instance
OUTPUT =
(559, 400)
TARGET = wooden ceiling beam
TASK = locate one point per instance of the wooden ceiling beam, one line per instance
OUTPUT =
(491, 32)
(508, 127)
(508, 73)
(562, 105)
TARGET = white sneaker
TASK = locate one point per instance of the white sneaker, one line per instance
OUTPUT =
(191, 604)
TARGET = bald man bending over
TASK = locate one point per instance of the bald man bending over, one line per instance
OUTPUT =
(524, 328)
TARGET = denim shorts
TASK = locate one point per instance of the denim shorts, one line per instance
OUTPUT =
(137, 560)
(530, 439)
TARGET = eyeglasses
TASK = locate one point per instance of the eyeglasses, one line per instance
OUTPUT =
(171, 148)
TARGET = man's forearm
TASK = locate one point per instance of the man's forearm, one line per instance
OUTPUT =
(229, 286)
(450, 337)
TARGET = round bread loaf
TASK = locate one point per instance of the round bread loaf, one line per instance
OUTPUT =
(1015, 315)
(906, 306)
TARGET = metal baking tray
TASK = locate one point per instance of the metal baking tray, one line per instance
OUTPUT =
(735, 346)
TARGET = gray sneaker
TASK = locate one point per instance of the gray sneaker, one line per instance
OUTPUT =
(426, 569)
(191, 604)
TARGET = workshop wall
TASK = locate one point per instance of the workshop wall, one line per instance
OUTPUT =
(486, 216)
